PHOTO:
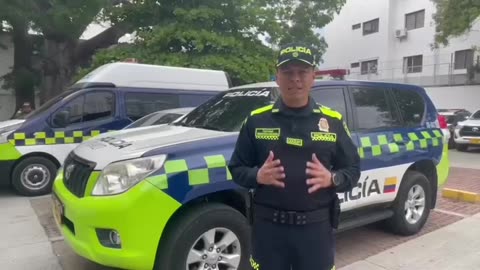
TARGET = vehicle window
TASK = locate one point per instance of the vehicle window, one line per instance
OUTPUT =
(411, 105)
(373, 109)
(98, 106)
(476, 115)
(331, 97)
(227, 111)
(47, 105)
(167, 118)
(141, 104)
(73, 111)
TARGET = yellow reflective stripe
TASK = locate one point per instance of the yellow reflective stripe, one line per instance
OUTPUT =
(262, 110)
(332, 113)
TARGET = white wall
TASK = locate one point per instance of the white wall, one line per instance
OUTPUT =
(345, 43)
(346, 46)
(7, 100)
(463, 97)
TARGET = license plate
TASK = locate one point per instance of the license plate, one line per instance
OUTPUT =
(57, 209)
(475, 141)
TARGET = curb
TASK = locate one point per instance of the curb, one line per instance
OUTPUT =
(461, 195)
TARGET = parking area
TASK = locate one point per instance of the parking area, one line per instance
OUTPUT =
(352, 246)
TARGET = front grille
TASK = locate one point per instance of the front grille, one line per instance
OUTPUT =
(76, 173)
(470, 131)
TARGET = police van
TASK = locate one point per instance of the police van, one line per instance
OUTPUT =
(163, 197)
(109, 98)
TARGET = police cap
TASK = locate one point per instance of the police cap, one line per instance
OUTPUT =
(296, 52)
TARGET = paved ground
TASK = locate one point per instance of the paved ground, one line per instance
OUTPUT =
(360, 245)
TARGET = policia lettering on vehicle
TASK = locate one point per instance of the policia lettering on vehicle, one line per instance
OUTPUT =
(295, 155)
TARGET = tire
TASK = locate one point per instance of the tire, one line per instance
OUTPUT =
(34, 176)
(462, 147)
(188, 229)
(399, 223)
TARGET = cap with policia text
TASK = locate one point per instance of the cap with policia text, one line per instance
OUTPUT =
(297, 52)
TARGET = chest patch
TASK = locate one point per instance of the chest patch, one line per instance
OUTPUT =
(323, 125)
(295, 142)
(272, 134)
(324, 137)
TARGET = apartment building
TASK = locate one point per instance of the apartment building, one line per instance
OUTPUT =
(391, 40)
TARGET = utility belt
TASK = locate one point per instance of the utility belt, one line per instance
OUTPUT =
(297, 218)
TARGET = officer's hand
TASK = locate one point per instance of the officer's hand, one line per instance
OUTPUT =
(320, 176)
(271, 173)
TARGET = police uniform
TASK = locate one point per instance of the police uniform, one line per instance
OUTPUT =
(291, 228)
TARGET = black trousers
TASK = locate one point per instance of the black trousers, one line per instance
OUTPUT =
(292, 247)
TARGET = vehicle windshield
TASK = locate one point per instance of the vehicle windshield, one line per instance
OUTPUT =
(45, 106)
(227, 111)
(476, 115)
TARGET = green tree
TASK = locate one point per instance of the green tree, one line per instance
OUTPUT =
(454, 17)
(225, 34)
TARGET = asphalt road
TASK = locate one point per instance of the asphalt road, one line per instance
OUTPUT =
(352, 246)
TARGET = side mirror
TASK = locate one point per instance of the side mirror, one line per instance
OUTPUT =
(61, 119)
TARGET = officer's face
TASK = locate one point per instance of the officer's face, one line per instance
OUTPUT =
(295, 80)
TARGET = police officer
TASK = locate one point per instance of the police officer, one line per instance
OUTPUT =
(295, 155)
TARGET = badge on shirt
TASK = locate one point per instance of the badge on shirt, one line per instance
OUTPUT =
(323, 125)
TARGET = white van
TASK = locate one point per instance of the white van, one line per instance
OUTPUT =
(109, 98)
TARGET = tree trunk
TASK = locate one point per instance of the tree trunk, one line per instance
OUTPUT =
(58, 68)
(23, 76)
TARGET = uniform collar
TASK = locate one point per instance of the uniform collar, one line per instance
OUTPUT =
(280, 107)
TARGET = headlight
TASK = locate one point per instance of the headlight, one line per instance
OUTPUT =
(121, 176)
(459, 127)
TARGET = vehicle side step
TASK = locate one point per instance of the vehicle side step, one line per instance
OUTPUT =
(364, 220)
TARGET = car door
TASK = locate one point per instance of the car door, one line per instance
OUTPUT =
(377, 124)
(83, 117)
(336, 98)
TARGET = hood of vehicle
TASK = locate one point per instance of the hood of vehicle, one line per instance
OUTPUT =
(133, 143)
(470, 122)
(7, 123)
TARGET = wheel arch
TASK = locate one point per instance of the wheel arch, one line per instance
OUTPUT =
(34, 154)
(236, 199)
(427, 167)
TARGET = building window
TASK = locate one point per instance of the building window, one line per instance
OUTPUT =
(355, 65)
(413, 64)
(356, 26)
(415, 20)
(369, 67)
(370, 27)
(463, 59)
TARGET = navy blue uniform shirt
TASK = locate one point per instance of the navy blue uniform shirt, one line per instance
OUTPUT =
(294, 135)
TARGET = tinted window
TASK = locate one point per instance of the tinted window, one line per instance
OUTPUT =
(476, 115)
(227, 111)
(98, 106)
(373, 109)
(411, 105)
(74, 109)
(331, 97)
(167, 118)
(141, 104)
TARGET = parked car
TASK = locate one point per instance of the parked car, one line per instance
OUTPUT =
(109, 98)
(467, 133)
(161, 197)
(453, 116)
(160, 118)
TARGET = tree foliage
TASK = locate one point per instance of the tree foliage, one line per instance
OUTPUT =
(238, 36)
(454, 17)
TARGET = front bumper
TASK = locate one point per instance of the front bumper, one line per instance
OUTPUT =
(138, 215)
(6, 168)
(470, 140)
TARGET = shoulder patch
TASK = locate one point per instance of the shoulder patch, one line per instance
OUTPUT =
(262, 110)
(330, 112)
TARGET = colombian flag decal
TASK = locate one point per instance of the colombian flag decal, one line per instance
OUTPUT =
(390, 185)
